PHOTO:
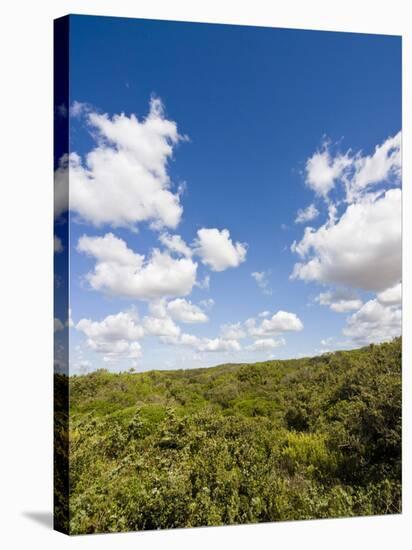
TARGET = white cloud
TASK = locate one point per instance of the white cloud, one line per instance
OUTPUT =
(159, 323)
(391, 296)
(186, 312)
(282, 321)
(265, 344)
(115, 336)
(157, 308)
(307, 214)
(374, 323)
(262, 280)
(124, 179)
(120, 271)
(217, 250)
(355, 171)
(218, 344)
(57, 245)
(121, 326)
(176, 244)
(203, 344)
(322, 171)
(78, 108)
(233, 331)
(161, 326)
(362, 250)
(381, 166)
(58, 325)
(341, 300)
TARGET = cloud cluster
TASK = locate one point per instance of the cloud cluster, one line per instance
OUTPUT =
(282, 321)
(323, 171)
(115, 337)
(374, 323)
(124, 179)
(266, 344)
(184, 311)
(391, 296)
(217, 344)
(161, 326)
(383, 165)
(361, 250)
(118, 336)
(120, 271)
(357, 172)
(176, 244)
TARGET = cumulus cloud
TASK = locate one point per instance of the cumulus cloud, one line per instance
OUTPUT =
(383, 164)
(218, 344)
(264, 344)
(357, 172)
(121, 272)
(323, 170)
(341, 300)
(161, 326)
(307, 214)
(391, 296)
(374, 322)
(115, 336)
(361, 250)
(204, 344)
(262, 280)
(176, 244)
(121, 326)
(282, 321)
(124, 179)
(57, 245)
(217, 250)
(186, 312)
(77, 108)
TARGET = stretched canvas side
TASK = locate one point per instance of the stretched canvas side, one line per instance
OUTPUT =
(61, 275)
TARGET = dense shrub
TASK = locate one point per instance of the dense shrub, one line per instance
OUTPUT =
(282, 440)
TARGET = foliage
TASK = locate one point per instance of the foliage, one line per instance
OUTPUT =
(280, 440)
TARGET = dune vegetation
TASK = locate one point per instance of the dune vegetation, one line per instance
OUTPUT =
(316, 437)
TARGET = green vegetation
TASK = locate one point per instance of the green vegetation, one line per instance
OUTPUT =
(279, 440)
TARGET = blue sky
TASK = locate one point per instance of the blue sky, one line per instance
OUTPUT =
(250, 126)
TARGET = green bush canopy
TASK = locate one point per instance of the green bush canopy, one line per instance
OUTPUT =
(307, 438)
